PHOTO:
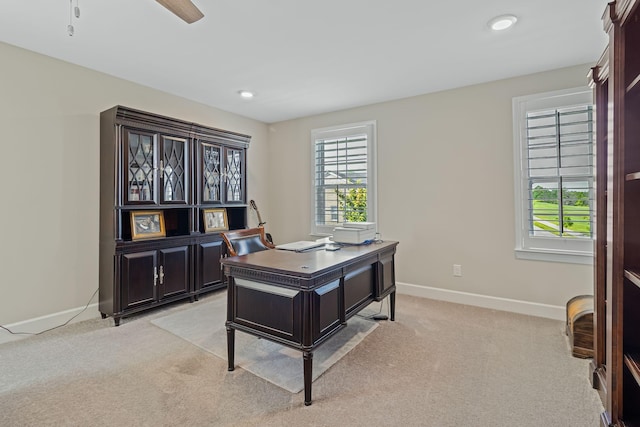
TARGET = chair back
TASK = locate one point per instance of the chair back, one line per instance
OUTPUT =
(246, 241)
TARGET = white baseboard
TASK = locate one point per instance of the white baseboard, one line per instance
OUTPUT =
(43, 323)
(496, 303)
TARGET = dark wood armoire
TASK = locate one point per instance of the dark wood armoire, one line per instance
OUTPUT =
(616, 83)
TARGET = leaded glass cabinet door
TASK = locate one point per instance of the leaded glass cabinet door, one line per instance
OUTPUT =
(234, 175)
(211, 167)
(173, 167)
(140, 153)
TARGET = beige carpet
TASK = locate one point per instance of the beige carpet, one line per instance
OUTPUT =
(203, 326)
(438, 365)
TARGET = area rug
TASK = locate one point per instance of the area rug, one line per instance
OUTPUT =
(203, 326)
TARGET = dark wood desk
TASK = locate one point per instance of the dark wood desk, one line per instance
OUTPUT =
(302, 299)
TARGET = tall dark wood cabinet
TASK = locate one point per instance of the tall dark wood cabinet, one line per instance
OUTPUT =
(616, 82)
(599, 80)
(158, 167)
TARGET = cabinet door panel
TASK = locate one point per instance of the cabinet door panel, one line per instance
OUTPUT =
(174, 170)
(140, 163)
(138, 278)
(210, 173)
(208, 265)
(234, 169)
(270, 309)
(358, 288)
(326, 309)
(174, 273)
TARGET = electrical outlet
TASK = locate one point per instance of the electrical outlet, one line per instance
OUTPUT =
(457, 270)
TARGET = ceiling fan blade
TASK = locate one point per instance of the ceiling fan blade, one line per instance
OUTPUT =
(185, 9)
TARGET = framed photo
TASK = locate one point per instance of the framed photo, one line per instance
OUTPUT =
(215, 220)
(147, 224)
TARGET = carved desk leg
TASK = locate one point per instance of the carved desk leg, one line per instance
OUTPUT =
(230, 346)
(307, 356)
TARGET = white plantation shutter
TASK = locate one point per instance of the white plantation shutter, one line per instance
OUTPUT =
(344, 160)
(554, 142)
(560, 166)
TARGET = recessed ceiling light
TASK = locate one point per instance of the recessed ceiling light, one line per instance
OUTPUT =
(246, 94)
(502, 22)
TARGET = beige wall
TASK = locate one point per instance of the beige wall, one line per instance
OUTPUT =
(440, 156)
(445, 188)
(49, 175)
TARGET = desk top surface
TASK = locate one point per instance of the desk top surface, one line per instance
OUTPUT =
(308, 263)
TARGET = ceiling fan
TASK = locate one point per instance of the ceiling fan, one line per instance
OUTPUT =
(184, 9)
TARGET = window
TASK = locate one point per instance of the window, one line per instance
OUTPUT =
(344, 177)
(553, 135)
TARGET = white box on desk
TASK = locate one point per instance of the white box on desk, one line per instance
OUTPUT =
(353, 235)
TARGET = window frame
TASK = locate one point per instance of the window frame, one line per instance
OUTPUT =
(369, 128)
(558, 249)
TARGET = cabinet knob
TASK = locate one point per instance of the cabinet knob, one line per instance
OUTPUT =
(155, 276)
(161, 274)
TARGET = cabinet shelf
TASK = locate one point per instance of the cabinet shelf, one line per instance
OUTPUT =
(633, 276)
(632, 361)
(634, 85)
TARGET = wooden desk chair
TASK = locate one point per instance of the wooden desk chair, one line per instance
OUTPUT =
(246, 241)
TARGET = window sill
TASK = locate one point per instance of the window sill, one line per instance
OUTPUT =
(566, 257)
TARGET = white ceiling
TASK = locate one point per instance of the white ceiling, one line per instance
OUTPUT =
(305, 57)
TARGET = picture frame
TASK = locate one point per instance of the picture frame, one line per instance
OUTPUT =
(215, 220)
(147, 225)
